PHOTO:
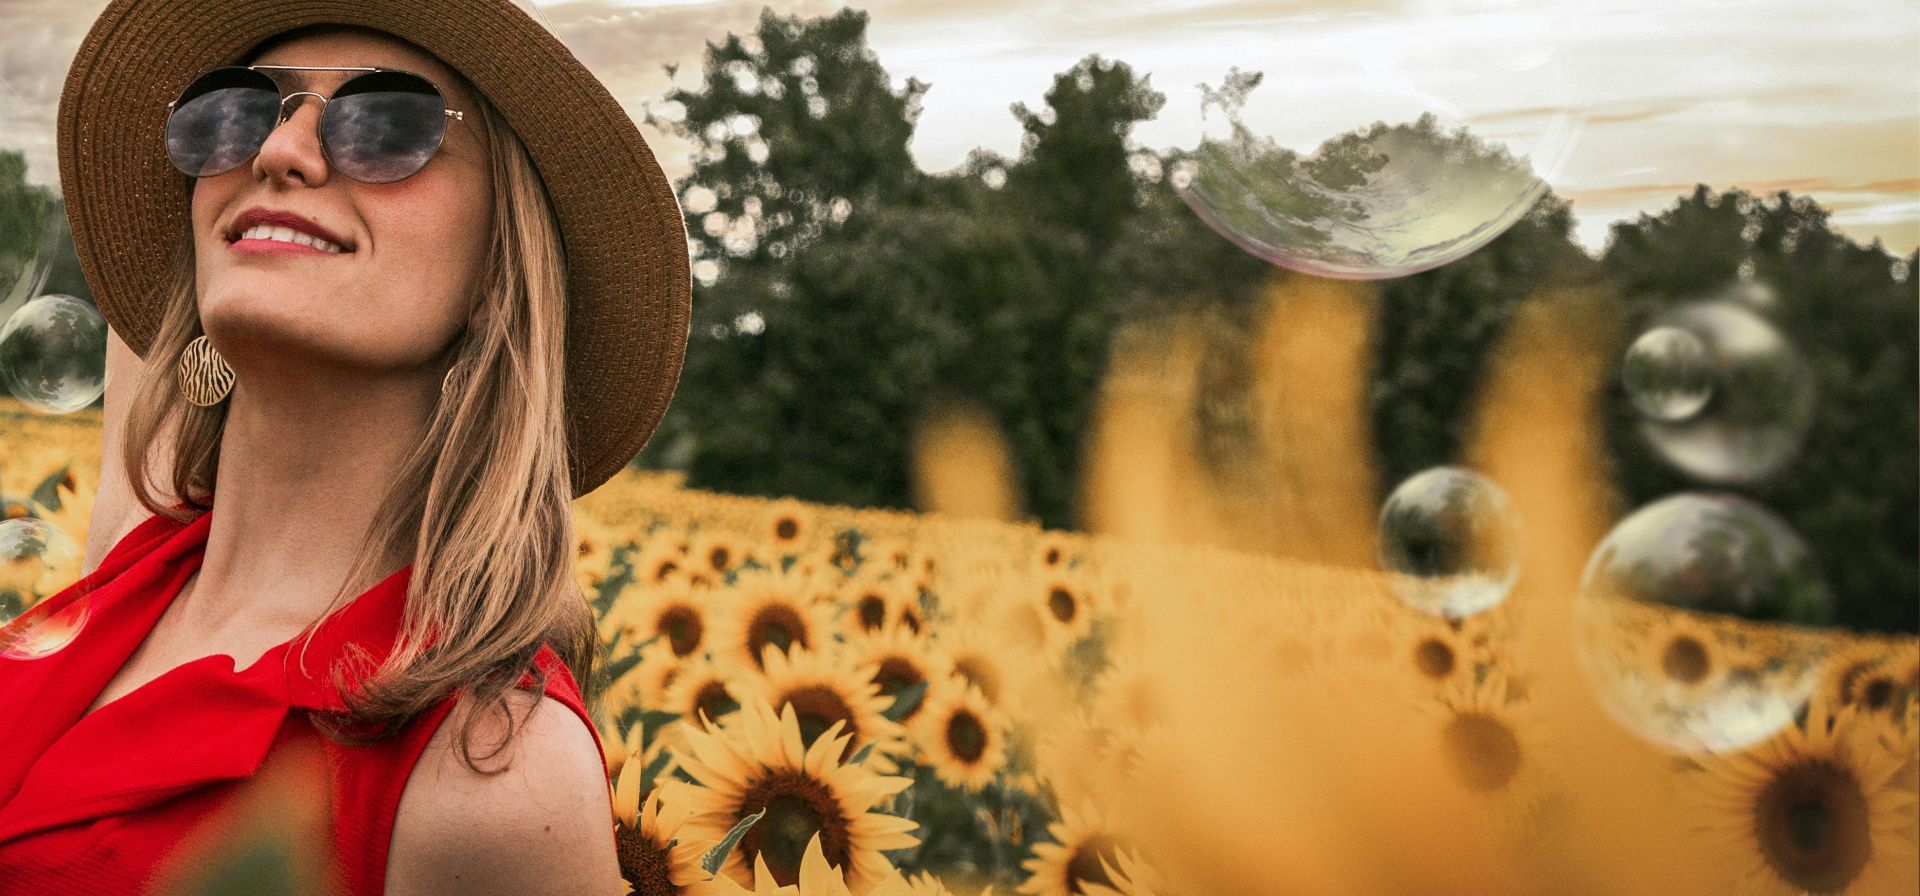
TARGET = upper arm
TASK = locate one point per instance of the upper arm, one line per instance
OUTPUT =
(542, 826)
(113, 502)
(115, 510)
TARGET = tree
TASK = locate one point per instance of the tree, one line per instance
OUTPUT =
(1437, 329)
(1851, 490)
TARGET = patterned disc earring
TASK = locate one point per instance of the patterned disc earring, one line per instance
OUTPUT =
(205, 378)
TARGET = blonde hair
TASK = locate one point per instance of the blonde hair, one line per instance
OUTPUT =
(483, 503)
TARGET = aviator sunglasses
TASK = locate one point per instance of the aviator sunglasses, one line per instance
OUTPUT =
(378, 127)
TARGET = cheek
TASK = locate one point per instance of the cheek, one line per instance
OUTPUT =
(436, 228)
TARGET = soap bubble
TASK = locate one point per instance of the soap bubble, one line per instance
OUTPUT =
(1383, 156)
(1696, 622)
(53, 354)
(1450, 541)
(1762, 403)
(1667, 374)
(36, 560)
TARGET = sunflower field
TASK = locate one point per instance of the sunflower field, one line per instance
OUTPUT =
(815, 699)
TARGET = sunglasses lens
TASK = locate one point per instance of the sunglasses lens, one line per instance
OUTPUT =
(383, 126)
(221, 120)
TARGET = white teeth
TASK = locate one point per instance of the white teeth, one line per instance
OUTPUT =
(288, 235)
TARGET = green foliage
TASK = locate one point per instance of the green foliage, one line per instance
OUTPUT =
(1436, 330)
(1850, 490)
(812, 357)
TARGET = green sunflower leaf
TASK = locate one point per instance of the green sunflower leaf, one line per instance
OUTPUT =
(712, 859)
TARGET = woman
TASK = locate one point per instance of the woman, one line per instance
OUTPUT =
(396, 336)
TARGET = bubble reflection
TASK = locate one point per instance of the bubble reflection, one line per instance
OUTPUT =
(1450, 541)
(1666, 623)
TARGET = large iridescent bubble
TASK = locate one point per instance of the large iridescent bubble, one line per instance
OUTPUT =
(1698, 623)
(53, 354)
(1762, 399)
(1384, 159)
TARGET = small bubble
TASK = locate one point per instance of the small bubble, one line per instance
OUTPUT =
(1451, 542)
(1667, 374)
(53, 354)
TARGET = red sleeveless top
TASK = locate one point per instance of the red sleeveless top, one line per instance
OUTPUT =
(152, 790)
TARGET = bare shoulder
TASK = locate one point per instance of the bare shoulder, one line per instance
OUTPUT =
(541, 826)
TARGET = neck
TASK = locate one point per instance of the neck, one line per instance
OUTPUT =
(303, 469)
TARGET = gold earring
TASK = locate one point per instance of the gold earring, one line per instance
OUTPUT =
(205, 378)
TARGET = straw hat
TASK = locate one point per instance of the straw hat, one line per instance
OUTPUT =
(628, 283)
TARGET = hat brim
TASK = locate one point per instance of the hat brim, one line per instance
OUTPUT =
(628, 283)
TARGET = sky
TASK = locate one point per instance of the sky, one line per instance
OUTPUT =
(1622, 105)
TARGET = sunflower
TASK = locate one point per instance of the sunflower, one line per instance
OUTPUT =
(643, 684)
(593, 550)
(756, 762)
(976, 656)
(1065, 609)
(764, 608)
(961, 736)
(787, 525)
(818, 878)
(878, 602)
(1083, 849)
(1880, 679)
(1813, 809)
(1437, 653)
(897, 556)
(900, 661)
(1130, 875)
(656, 859)
(712, 555)
(1052, 551)
(671, 611)
(1480, 726)
(700, 689)
(825, 689)
(659, 563)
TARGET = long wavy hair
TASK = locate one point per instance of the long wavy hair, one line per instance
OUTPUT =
(483, 503)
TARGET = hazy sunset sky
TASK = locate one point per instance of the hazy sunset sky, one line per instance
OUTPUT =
(1622, 104)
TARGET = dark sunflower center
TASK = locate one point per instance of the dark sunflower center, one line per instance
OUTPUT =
(1434, 658)
(873, 612)
(1812, 824)
(665, 569)
(1085, 868)
(896, 674)
(817, 708)
(681, 624)
(980, 675)
(713, 699)
(1877, 692)
(786, 529)
(966, 737)
(1060, 601)
(910, 618)
(642, 864)
(718, 557)
(1053, 556)
(798, 807)
(1484, 752)
(1685, 660)
(777, 625)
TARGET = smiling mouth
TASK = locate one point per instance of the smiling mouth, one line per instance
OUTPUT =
(276, 247)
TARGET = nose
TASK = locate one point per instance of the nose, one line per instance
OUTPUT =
(292, 154)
